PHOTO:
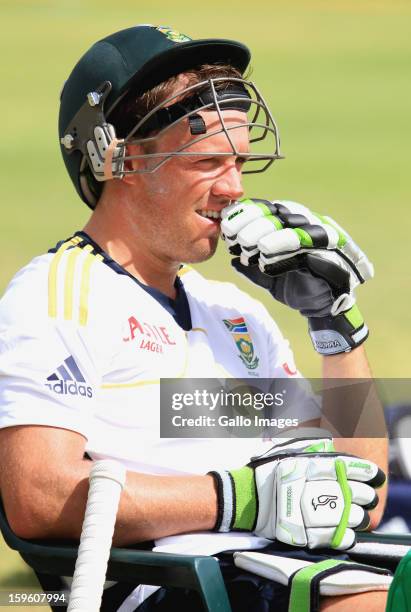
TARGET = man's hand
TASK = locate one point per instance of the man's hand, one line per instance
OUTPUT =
(306, 261)
(301, 492)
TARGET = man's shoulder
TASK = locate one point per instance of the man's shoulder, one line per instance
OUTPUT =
(56, 285)
(27, 290)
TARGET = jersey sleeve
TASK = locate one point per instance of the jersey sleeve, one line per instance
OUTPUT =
(47, 374)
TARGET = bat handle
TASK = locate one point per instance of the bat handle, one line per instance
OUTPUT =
(107, 479)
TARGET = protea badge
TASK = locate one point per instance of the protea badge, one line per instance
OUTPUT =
(239, 331)
(173, 34)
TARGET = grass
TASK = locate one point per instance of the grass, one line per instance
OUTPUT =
(15, 575)
(336, 77)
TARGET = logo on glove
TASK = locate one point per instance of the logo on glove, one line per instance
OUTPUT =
(323, 500)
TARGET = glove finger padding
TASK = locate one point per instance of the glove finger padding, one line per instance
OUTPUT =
(315, 491)
(255, 223)
(317, 494)
(269, 232)
(314, 266)
(364, 495)
(322, 536)
(239, 216)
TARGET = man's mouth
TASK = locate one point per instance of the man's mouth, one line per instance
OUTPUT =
(209, 214)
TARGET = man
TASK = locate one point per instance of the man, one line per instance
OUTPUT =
(155, 131)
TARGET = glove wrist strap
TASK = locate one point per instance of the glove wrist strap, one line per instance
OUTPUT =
(340, 334)
(225, 500)
(236, 500)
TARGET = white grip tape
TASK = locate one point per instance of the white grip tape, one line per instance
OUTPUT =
(107, 480)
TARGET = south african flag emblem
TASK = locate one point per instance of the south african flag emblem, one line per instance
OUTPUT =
(239, 331)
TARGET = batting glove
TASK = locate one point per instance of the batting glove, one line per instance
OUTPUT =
(306, 261)
(300, 492)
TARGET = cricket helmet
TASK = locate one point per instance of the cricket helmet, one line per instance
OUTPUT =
(135, 60)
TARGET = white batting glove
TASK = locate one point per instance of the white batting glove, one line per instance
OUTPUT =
(306, 261)
(300, 492)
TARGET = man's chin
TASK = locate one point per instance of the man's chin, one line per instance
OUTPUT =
(202, 251)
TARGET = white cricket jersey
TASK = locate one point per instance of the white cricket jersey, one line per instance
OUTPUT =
(83, 347)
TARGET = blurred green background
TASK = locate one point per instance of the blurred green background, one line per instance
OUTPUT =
(336, 76)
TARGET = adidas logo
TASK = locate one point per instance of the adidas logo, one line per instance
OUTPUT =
(68, 380)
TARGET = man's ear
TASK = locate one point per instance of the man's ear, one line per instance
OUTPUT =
(132, 164)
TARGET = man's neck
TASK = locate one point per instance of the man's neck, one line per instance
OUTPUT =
(131, 255)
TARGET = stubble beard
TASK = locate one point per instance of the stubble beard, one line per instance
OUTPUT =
(202, 253)
(192, 253)
(173, 248)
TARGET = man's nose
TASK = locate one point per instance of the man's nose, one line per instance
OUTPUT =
(229, 184)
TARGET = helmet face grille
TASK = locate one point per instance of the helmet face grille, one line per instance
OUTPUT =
(218, 95)
(91, 134)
